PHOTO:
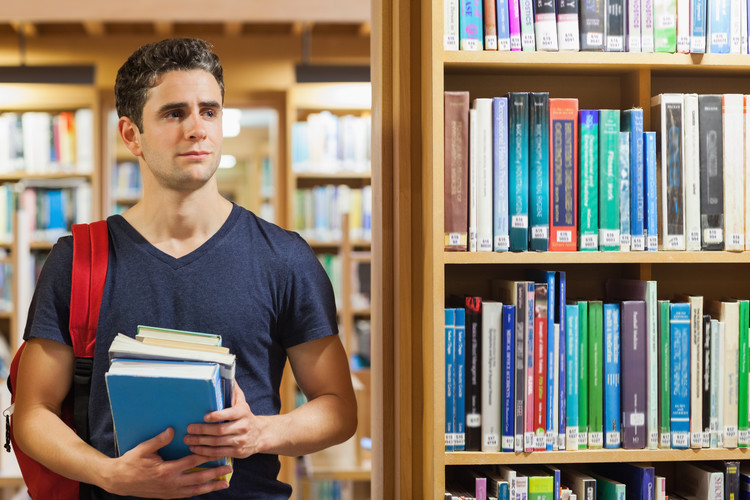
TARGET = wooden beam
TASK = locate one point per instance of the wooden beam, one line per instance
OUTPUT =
(365, 29)
(233, 28)
(24, 28)
(93, 28)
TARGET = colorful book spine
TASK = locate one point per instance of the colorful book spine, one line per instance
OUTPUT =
(474, 162)
(652, 375)
(572, 379)
(483, 156)
(514, 20)
(679, 333)
(624, 191)
(540, 366)
(633, 16)
(561, 320)
(632, 121)
(717, 346)
(473, 373)
(507, 408)
(743, 431)
(711, 172)
(734, 172)
(696, 370)
(520, 365)
(611, 375)
(503, 25)
(592, 25)
(609, 173)
(450, 38)
(589, 181)
(596, 375)
(698, 26)
(490, 380)
(692, 174)
(647, 26)
(450, 377)
(518, 170)
(633, 336)
(668, 116)
(683, 26)
(706, 381)
(545, 25)
(471, 25)
(665, 26)
(459, 438)
(718, 26)
(456, 160)
(568, 35)
(735, 25)
(614, 25)
(583, 375)
(529, 370)
(539, 171)
(500, 235)
(563, 174)
(528, 39)
(489, 16)
(665, 374)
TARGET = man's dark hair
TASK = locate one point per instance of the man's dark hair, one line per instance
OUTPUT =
(141, 71)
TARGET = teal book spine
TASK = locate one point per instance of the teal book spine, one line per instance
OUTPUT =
(539, 171)
(632, 121)
(471, 23)
(589, 181)
(679, 332)
(609, 173)
(518, 170)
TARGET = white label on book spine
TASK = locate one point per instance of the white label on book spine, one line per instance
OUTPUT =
(596, 439)
(508, 442)
(539, 232)
(503, 44)
(589, 242)
(519, 443)
(565, 236)
(696, 440)
(594, 38)
(614, 43)
(613, 438)
(459, 439)
(694, 237)
(625, 241)
(665, 440)
(485, 245)
(454, 239)
(561, 442)
(540, 442)
(698, 44)
(706, 439)
(583, 440)
(528, 441)
(719, 39)
(637, 418)
(572, 438)
(653, 439)
(666, 21)
(519, 221)
(736, 239)
(680, 440)
(730, 431)
(610, 237)
(473, 420)
(550, 440)
(675, 242)
(652, 244)
(742, 437)
(502, 242)
(449, 439)
(491, 441)
(637, 243)
(527, 39)
(490, 43)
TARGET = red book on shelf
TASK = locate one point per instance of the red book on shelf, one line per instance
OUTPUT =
(563, 176)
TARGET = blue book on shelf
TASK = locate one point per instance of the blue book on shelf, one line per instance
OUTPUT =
(471, 26)
(624, 191)
(698, 26)
(450, 377)
(459, 429)
(638, 479)
(539, 171)
(548, 277)
(503, 25)
(571, 369)
(679, 332)
(148, 396)
(518, 170)
(650, 174)
(561, 319)
(632, 121)
(500, 236)
(612, 375)
(718, 26)
(508, 365)
(56, 213)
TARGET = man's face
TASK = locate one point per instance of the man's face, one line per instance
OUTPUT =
(182, 134)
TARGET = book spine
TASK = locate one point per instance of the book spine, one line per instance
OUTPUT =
(633, 16)
(568, 36)
(484, 166)
(743, 431)
(718, 26)
(665, 26)
(545, 25)
(698, 26)
(518, 170)
(553, 414)
(490, 380)
(633, 384)
(471, 25)
(563, 174)
(746, 118)
(539, 170)
(665, 372)
(501, 239)
(647, 26)
(679, 332)
(503, 25)
(589, 181)
(540, 366)
(706, 381)
(611, 375)
(489, 16)
(683, 26)
(561, 319)
(520, 366)
(711, 152)
(734, 172)
(624, 191)
(456, 170)
(572, 368)
(450, 377)
(696, 371)
(552, 368)
(514, 19)
(596, 375)
(609, 195)
(632, 121)
(692, 175)
(614, 26)
(583, 375)
(652, 357)
(459, 437)
(669, 113)
(529, 349)
(592, 25)
(735, 26)
(450, 38)
(508, 377)
(714, 381)
(731, 373)
(474, 162)
(528, 40)
(473, 373)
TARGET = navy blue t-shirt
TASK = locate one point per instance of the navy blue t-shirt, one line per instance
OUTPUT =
(258, 286)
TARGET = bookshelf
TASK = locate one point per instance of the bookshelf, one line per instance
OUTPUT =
(415, 275)
(327, 203)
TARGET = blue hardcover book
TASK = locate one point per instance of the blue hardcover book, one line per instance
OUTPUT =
(679, 332)
(503, 25)
(459, 436)
(539, 171)
(638, 478)
(651, 228)
(698, 26)
(744, 485)
(500, 236)
(556, 478)
(148, 396)
(612, 375)
(518, 170)
(624, 191)
(561, 319)
(718, 26)
(508, 400)
(450, 377)
(56, 213)
(632, 121)
(471, 30)
(571, 380)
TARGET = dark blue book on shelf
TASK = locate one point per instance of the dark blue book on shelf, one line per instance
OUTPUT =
(612, 375)
(459, 429)
(561, 319)
(651, 217)
(638, 479)
(508, 368)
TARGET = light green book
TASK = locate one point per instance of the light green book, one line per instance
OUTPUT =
(541, 488)
(665, 26)
(596, 374)
(742, 425)
(665, 436)
(652, 377)
(608, 489)
(588, 174)
(609, 179)
(583, 375)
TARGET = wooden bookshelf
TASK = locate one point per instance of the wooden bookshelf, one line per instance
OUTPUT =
(414, 275)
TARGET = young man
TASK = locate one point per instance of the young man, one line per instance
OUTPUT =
(184, 257)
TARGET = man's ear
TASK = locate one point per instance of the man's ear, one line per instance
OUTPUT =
(130, 135)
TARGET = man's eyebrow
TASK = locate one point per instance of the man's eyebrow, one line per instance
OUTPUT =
(179, 105)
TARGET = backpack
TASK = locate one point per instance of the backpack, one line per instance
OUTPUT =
(90, 260)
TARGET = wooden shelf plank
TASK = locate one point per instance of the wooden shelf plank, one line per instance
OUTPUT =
(595, 257)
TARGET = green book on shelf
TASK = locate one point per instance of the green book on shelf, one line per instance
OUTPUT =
(609, 179)
(583, 375)
(665, 354)
(596, 374)
(541, 488)
(608, 489)
(744, 367)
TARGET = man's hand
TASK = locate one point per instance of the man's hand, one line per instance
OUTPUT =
(141, 472)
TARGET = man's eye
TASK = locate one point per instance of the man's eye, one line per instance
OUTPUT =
(211, 113)
(174, 114)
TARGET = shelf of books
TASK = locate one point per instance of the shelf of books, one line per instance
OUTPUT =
(579, 307)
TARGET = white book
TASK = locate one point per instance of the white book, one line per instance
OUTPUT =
(696, 371)
(734, 171)
(491, 376)
(692, 174)
(731, 372)
(509, 475)
(735, 26)
(483, 164)
(747, 175)
(528, 39)
(473, 167)
(660, 487)
(568, 34)
(720, 388)
(634, 26)
(84, 126)
(545, 31)
(743, 29)
(716, 347)
(647, 25)
(683, 26)
(698, 482)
